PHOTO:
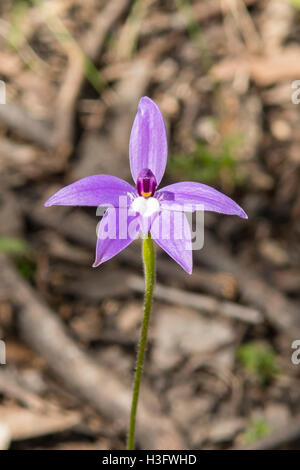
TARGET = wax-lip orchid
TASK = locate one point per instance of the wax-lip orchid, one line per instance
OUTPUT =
(145, 205)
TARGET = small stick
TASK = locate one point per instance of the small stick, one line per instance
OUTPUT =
(19, 121)
(203, 303)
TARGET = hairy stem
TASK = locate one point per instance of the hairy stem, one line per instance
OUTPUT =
(149, 270)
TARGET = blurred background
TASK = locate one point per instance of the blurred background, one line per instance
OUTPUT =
(219, 372)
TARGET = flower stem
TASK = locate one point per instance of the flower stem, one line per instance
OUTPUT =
(149, 271)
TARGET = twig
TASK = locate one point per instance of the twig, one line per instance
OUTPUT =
(5, 437)
(130, 30)
(18, 120)
(26, 424)
(279, 311)
(10, 387)
(203, 303)
(244, 24)
(264, 70)
(202, 11)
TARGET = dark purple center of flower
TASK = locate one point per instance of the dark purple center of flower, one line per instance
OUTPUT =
(146, 183)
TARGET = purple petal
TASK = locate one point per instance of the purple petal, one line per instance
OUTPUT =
(190, 195)
(93, 191)
(145, 223)
(148, 147)
(172, 233)
(115, 232)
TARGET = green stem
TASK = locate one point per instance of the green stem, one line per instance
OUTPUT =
(149, 270)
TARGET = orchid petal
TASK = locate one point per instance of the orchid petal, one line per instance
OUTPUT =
(190, 196)
(94, 191)
(148, 147)
(115, 232)
(172, 233)
(145, 223)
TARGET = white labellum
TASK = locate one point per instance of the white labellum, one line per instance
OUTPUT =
(145, 207)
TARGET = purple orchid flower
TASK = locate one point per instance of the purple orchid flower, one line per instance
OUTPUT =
(145, 206)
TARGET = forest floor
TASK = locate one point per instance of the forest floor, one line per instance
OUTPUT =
(218, 372)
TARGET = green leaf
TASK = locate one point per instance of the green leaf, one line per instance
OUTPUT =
(257, 429)
(207, 164)
(258, 359)
(13, 246)
(294, 3)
